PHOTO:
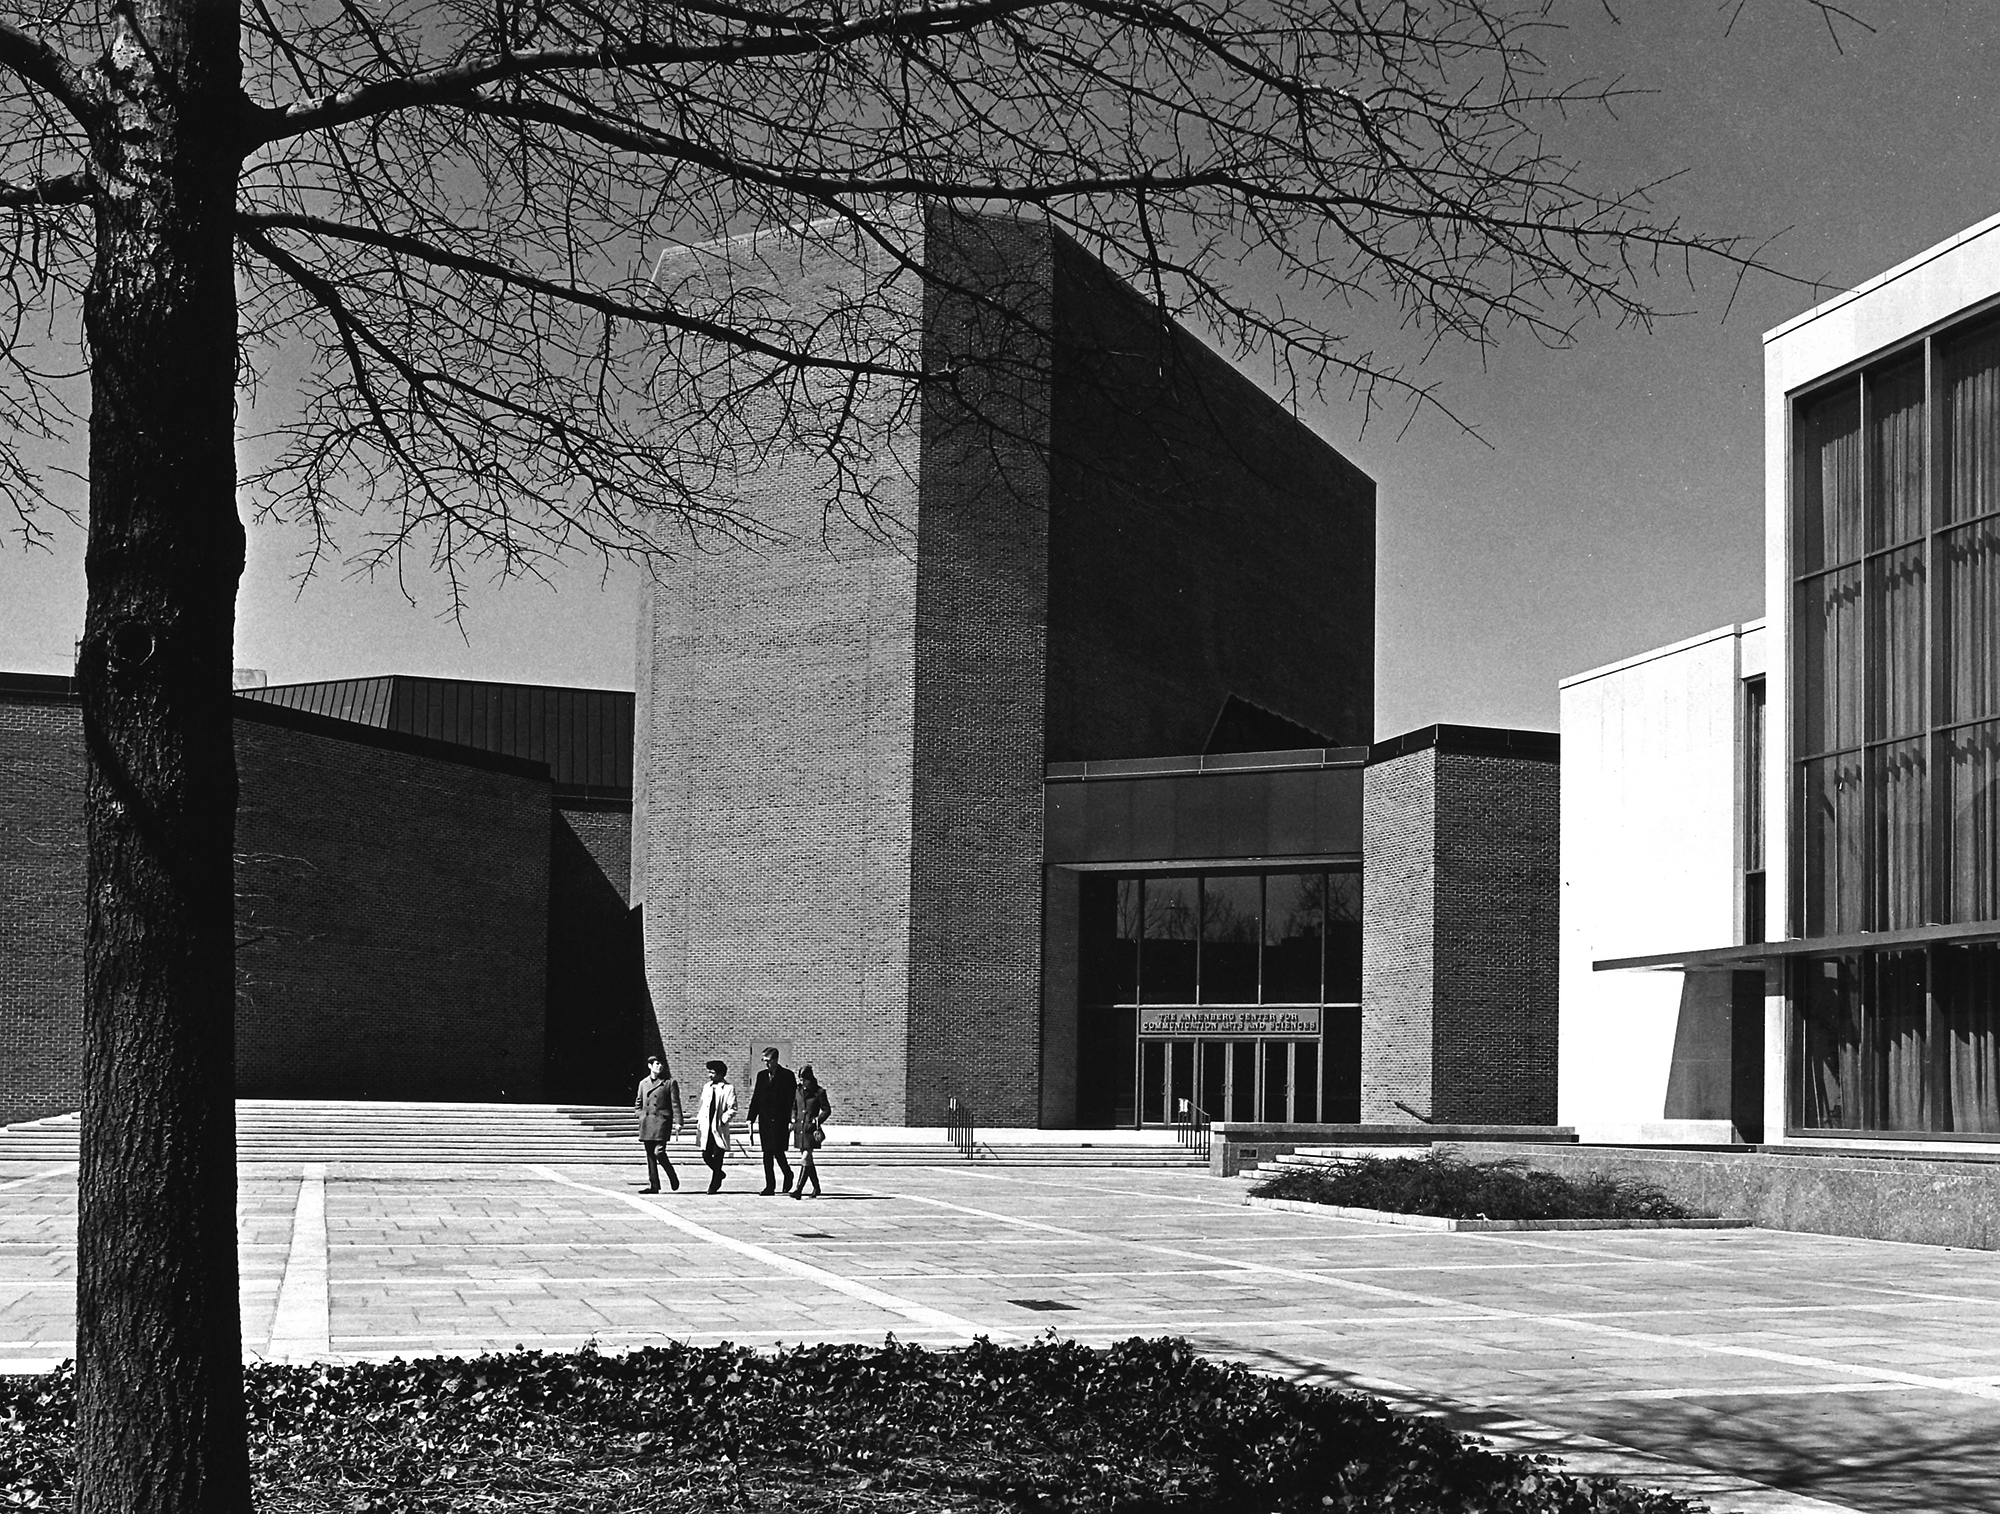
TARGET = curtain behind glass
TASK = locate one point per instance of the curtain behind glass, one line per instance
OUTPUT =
(1896, 637)
(1972, 756)
(1829, 476)
(1899, 1017)
(1902, 819)
(1971, 614)
(1829, 662)
(1972, 425)
(1831, 821)
(1829, 1000)
(1896, 454)
(1969, 1008)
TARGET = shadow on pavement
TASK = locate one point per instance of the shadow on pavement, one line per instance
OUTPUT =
(1915, 1452)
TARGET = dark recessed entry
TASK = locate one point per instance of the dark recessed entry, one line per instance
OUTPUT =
(1038, 1303)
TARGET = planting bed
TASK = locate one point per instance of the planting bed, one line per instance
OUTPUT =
(1142, 1426)
(1445, 1187)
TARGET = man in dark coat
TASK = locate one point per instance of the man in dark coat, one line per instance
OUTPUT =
(659, 1104)
(771, 1112)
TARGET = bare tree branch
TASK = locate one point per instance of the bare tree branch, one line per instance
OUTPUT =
(788, 37)
(68, 189)
(49, 71)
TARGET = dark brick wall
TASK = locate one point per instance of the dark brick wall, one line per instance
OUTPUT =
(393, 909)
(1459, 938)
(600, 1021)
(394, 912)
(981, 614)
(41, 905)
(1498, 890)
(1202, 542)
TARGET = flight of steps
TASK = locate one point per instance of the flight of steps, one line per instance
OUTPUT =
(491, 1134)
(1325, 1156)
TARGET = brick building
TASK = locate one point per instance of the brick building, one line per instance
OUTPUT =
(1048, 788)
(421, 916)
(1042, 788)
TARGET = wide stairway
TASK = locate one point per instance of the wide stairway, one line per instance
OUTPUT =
(271, 1130)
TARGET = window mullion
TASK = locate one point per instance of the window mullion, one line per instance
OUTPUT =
(1874, 886)
(1936, 813)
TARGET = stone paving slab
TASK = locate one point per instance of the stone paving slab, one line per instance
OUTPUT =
(1767, 1372)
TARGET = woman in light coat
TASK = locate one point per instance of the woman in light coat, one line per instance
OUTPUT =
(712, 1114)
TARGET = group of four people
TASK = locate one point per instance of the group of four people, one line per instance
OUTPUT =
(782, 1108)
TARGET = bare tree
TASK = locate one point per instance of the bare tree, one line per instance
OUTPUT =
(466, 235)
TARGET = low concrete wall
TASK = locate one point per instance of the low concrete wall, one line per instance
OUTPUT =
(1235, 1144)
(1932, 1202)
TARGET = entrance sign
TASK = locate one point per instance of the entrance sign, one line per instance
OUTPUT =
(1229, 1022)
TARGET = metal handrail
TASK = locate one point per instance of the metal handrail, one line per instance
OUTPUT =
(1191, 1125)
(958, 1125)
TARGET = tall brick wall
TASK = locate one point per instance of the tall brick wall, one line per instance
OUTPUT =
(600, 1020)
(393, 909)
(1202, 542)
(41, 904)
(1497, 901)
(981, 613)
(1082, 549)
(773, 773)
(1399, 897)
(1458, 1013)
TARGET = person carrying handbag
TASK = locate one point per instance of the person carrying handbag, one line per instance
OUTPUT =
(810, 1107)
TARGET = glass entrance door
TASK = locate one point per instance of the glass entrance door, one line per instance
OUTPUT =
(1263, 1080)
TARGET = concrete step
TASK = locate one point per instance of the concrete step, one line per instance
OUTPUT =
(494, 1134)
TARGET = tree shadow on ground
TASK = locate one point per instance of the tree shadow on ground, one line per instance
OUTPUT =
(1911, 1452)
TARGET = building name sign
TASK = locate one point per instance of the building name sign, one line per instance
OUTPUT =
(1229, 1022)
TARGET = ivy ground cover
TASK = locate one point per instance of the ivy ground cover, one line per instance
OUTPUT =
(1143, 1426)
(1440, 1184)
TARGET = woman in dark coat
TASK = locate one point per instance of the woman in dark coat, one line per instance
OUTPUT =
(809, 1111)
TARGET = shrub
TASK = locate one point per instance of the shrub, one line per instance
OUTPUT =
(1146, 1425)
(1438, 1183)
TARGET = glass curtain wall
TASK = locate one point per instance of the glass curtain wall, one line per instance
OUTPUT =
(1896, 736)
(1220, 941)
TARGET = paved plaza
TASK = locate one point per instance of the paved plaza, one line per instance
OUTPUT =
(1760, 1370)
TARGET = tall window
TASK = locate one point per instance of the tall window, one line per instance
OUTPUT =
(1897, 632)
(1753, 809)
(1896, 636)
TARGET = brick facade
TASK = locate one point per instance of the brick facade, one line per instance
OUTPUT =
(771, 851)
(981, 647)
(41, 899)
(1398, 933)
(392, 908)
(1090, 534)
(1459, 929)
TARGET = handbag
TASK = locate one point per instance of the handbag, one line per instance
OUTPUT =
(815, 1137)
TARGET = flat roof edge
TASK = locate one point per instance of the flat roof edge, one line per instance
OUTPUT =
(1908, 266)
(1735, 628)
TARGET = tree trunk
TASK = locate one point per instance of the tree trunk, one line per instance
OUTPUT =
(159, 1343)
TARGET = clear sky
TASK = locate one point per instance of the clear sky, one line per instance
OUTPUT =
(1611, 502)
